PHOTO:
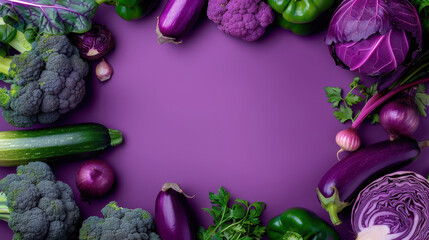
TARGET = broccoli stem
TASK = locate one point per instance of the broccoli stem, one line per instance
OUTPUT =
(5, 65)
(4, 209)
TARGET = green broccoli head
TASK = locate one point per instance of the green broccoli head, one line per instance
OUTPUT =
(37, 206)
(48, 79)
(119, 224)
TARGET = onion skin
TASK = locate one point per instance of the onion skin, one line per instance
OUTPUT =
(398, 201)
(177, 17)
(343, 181)
(399, 118)
(173, 216)
(103, 71)
(94, 178)
(348, 139)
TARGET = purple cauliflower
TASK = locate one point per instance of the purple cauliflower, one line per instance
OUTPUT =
(245, 19)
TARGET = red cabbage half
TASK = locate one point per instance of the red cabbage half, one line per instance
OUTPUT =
(393, 207)
(374, 37)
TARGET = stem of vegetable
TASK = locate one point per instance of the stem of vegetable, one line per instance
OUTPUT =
(424, 144)
(5, 65)
(4, 209)
(115, 137)
(220, 223)
(381, 99)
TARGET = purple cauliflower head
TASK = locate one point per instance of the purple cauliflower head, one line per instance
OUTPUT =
(245, 19)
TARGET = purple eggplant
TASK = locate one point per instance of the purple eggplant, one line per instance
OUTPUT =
(177, 18)
(344, 180)
(173, 217)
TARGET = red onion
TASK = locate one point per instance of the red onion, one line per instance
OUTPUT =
(94, 178)
(103, 70)
(399, 118)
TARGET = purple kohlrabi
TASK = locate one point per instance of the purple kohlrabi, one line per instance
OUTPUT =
(374, 37)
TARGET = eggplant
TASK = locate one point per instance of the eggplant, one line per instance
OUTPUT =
(177, 17)
(341, 184)
(173, 216)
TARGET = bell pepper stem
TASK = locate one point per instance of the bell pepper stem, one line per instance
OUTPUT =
(289, 235)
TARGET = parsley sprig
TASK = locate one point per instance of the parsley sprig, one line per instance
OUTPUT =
(344, 106)
(239, 222)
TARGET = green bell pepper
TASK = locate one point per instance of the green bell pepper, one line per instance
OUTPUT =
(299, 29)
(300, 224)
(301, 11)
(301, 16)
(131, 9)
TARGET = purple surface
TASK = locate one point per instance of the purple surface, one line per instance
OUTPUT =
(215, 111)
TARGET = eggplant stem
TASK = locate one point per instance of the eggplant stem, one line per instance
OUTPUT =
(162, 39)
(176, 187)
(424, 144)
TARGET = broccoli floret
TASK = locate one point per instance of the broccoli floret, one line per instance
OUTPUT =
(37, 206)
(119, 224)
(48, 76)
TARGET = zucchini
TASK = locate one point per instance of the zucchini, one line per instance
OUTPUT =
(47, 144)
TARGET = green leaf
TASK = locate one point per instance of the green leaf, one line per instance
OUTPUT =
(238, 211)
(375, 118)
(421, 99)
(334, 95)
(344, 114)
(352, 99)
(4, 97)
(355, 83)
(51, 17)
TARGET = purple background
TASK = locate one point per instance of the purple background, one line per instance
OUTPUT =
(216, 111)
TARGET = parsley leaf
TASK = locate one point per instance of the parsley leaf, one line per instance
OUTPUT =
(421, 99)
(344, 114)
(334, 95)
(344, 106)
(240, 222)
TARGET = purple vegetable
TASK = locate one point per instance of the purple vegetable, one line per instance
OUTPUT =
(94, 178)
(173, 216)
(394, 207)
(178, 17)
(95, 43)
(399, 118)
(344, 180)
(374, 37)
(245, 19)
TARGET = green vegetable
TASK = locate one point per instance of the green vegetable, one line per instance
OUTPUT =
(37, 206)
(119, 224)
(343, 105)
(297, 28)
(50, 17)
(303, 12)
(47, 78)
(300, 224)
(422, 7)
(131, 9)
(20, 147)
(240, 222)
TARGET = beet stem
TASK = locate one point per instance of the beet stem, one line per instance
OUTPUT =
(368, 109)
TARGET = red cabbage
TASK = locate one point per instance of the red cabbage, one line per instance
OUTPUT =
(393, 207)
(374, 37)
(95, 43)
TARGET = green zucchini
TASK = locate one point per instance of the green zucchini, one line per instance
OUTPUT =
(47, 144)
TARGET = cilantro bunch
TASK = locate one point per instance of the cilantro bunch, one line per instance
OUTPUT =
(238, 222)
